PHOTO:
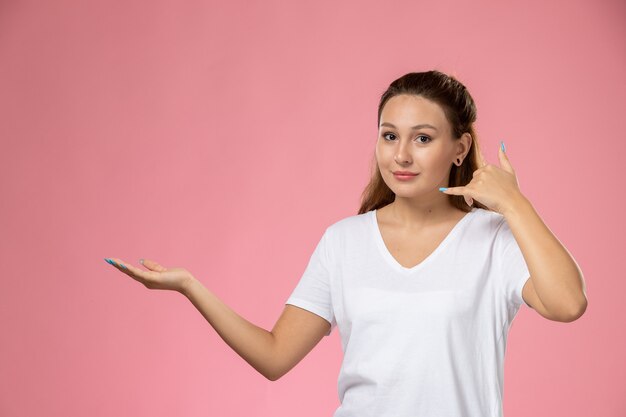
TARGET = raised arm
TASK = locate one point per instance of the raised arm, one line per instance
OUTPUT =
(272, 354)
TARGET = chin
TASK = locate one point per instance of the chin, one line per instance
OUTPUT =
(405, 193)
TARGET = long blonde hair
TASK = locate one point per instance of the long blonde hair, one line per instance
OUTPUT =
(460, 111)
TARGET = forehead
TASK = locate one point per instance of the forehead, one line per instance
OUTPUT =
(405, 109)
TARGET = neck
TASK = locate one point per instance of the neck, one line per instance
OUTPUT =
(413, 214)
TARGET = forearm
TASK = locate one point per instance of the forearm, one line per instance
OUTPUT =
(557, 279)
(254, 344)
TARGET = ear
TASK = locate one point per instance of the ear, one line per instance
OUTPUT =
(464, 143)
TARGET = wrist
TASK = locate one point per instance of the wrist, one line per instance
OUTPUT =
(187, 285)
(516, 204)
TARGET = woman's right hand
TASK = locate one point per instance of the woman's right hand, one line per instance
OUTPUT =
(157, 277)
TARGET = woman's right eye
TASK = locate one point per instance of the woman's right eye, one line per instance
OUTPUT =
(393, 134)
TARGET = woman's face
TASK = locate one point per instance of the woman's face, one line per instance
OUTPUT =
(415, 136)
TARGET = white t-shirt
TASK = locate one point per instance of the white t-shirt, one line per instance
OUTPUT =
(427, 341)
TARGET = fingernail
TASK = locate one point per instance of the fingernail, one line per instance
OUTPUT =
(442, 189)
(502, 146)
(123, 266)
(107, 260)
(141, 261)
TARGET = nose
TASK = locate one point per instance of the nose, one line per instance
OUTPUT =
(402, 155)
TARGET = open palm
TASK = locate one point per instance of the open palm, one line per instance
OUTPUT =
(157, 277)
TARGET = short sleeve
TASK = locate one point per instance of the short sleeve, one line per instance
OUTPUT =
(513, 270)
(313, 291)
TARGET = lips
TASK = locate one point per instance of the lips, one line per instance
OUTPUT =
(404, 173)
(404, 177)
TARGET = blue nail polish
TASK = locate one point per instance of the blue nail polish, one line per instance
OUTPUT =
(502, 146)
(107, 260)
(123, 266)
(442, 189)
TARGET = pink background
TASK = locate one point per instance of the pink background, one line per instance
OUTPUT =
(224, 138)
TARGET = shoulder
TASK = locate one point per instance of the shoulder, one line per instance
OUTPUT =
(487, 224)
(350, 226)
(495, 227)
(490, 217)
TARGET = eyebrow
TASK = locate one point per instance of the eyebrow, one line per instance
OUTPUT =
(420, 126)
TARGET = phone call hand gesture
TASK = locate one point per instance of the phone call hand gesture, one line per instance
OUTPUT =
(493, 186)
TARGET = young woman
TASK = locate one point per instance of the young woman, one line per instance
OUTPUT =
(424, 282)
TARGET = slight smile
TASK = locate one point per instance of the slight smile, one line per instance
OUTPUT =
(404, 176)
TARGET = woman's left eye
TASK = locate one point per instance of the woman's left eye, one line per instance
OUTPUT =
(424, 136)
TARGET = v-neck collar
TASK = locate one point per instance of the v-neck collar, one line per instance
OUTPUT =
(378, 237)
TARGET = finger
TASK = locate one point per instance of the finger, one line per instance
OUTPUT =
(505, 163)
(454, 190)
(482, 162)
(130, 270)
(119, 264)
(464, 191)
(116, 263)
(153, 266)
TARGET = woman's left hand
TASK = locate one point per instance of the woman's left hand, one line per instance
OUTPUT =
(494, 187)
